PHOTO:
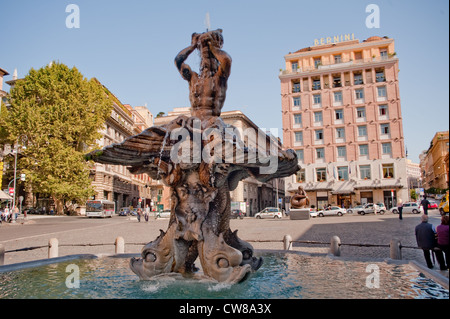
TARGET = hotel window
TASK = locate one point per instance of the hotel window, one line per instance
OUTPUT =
(381, 90)
(298, 137)
(386, 147)
(319, 135)
(341, 151)
(340, 132)
(337, 82)
(363, 149)
(316, 84)
(297, 102)
(364, 171)
(359, 94)
(317, 99)
(361, 112)
(342, 173)
(362, 130)
(301, 176)
(294, 66)
(383, 111)
(300, 155)
(337, 58)
(379, 74)
(298, 120)
(388, 170)
(383, 54)
(320, 153)
(339, 114)
(358, 79)
(384, 128)
(338, 97)
(296, 87)
(321, 174)
(317, 62)
(318, 117)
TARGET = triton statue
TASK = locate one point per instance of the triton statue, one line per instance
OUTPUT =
(201, 159)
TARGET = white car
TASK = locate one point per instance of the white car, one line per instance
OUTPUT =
(410, 207)
(312, 213)
(333, 210)
(163, 214)
(269, 212)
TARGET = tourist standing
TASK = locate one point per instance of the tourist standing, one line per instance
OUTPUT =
(426, 240)
(147, 212)
(400, 209)
(442, 231)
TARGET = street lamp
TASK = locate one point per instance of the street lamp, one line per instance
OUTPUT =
(23, 137)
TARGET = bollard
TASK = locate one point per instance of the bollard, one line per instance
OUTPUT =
(120, 245)
(287, 242)
(2, 254)
(53, 248)
(395, 249)
(335, 246)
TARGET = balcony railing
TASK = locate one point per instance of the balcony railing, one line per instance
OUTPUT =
(337, 65)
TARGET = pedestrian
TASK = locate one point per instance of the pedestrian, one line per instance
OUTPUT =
(442, 231)
(426, 240)
(400, 209)
(147, 212)
(425, 204)
(139, 212)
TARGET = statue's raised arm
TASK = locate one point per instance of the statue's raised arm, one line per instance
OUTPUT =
(182, 67)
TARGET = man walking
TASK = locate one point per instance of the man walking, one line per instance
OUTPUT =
(425, 204)
(426, 240)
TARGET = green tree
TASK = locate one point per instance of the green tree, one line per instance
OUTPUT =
(61, 114)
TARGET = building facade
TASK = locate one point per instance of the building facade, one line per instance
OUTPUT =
(342, 115)
(115, 182)
(434, 162)
(250, 195)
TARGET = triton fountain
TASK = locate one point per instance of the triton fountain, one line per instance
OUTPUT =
(201, 159)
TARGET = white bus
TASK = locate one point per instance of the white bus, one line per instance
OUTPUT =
(100, 208)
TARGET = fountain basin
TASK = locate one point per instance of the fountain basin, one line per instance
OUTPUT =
(283, 275)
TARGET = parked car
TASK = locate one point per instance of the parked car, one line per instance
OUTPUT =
(124, 211)
(432, 205)
(269, 212)
(409, 207)
(163, 214)
(332, 210)
(312, 213)
(351, 210)
(371, 208)
(237, 213)
(381, 206)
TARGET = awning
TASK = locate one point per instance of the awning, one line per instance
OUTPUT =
(4, 196)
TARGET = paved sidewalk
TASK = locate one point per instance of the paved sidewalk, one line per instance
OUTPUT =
(351, 229)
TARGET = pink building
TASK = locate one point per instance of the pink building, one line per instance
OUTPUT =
(342, 115)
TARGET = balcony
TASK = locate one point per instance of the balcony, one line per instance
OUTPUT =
(332, 66)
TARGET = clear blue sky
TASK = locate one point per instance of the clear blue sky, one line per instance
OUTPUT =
(130, 46)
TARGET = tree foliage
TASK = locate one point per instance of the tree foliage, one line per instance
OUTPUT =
(60, 113)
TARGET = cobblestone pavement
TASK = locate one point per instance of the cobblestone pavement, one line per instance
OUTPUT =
(351, 229)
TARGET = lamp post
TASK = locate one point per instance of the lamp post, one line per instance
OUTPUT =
(16, 150)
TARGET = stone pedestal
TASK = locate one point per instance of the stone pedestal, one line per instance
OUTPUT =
(299, 213)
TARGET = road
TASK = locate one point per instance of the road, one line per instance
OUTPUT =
(351, 228)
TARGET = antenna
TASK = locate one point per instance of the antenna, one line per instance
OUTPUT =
(207, 22)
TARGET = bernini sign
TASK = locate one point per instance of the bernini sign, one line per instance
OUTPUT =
(335, 39)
